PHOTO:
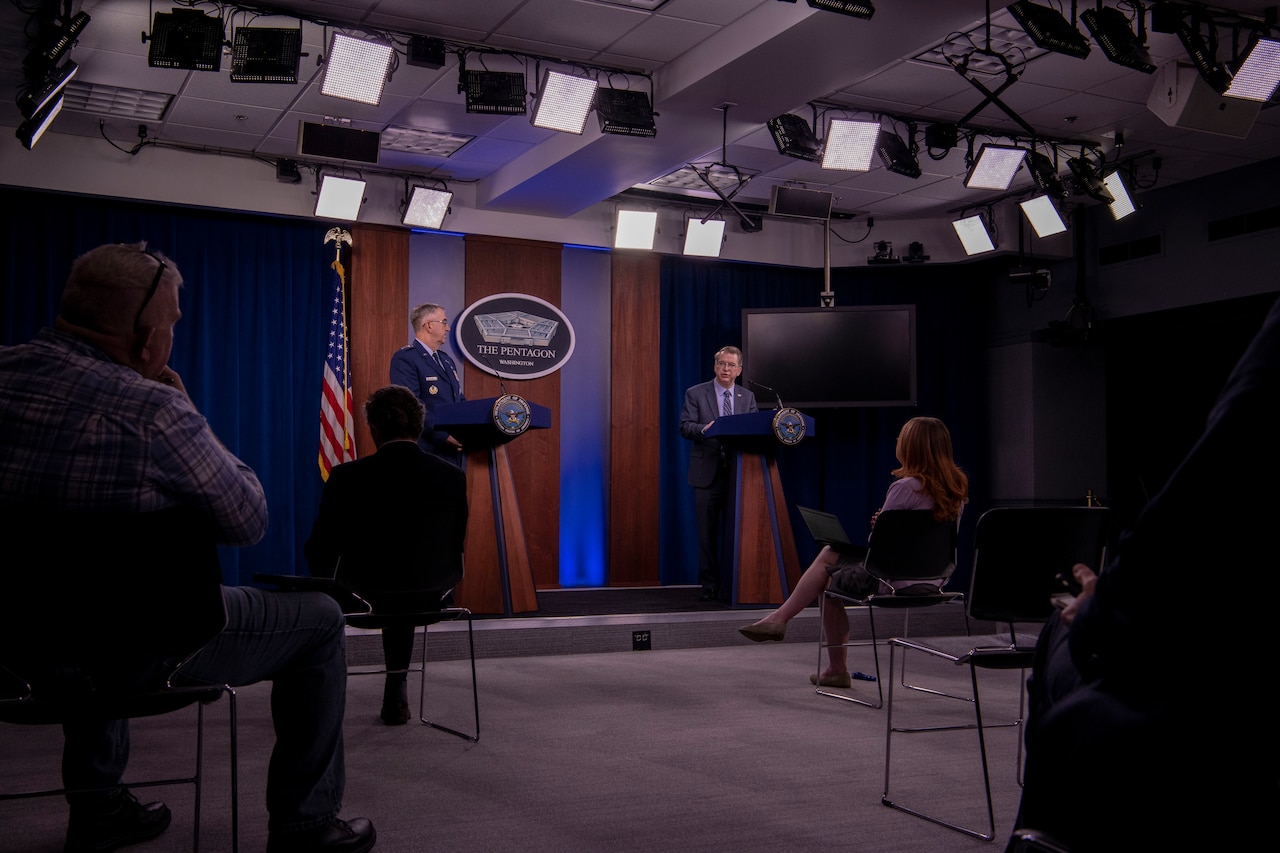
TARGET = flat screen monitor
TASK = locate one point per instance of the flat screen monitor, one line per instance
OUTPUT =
(831, 357)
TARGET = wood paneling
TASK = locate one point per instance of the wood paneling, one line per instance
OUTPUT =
(497, 265)
(377, 312)
(635, 427)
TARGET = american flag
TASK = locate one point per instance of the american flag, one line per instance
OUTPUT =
(337, 425)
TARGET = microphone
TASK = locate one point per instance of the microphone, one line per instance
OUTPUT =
(501, 384)
(764, 387)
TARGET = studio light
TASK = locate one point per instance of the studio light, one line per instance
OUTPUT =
(35, 98)
(1259, 74)
(1049, 30)
(973, 234)
(52, 51)
(265, 55)
(995, 167)
(852, 8)
(563, 102)
(339, 198)
(426, 208)
(703, 237)
(30, 131)
(186, 38)
(850, 145)
(1044, 174)
(1122, 203)
(635, 229)
(794, 138)
(1202, 57)
(897, 155)
(1043, 215)
(356, 70)
(1088, 181)
(1113, 33)
(493, 92)
(625, 112)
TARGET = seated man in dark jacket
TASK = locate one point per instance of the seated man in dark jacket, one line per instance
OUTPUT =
(391, 526)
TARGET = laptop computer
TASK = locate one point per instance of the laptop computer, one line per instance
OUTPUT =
(826, 529)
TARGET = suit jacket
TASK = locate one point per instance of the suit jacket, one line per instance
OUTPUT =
(392, 522)
(701, 407)
(414, 368)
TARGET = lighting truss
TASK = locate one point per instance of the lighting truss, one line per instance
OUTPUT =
(853, 8)
(1043, 215)
(265, 54)
(898, 156)
(339, 198)
(794, 138)
(625, 112)
(1049, 30)
(356, 70)
(635, 229)
(1259, 74)
(703, 237)
(1113, 33)
(563, 102)
(973, 234)
(995, 167)
(1122, 203)
(426, 207)
(850, 144)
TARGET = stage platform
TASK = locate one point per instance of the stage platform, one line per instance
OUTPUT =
(578, 621)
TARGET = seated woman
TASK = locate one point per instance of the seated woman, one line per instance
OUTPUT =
(391, 527)
(927, 479)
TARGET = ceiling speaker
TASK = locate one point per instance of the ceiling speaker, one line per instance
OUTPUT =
(330, 142)
(1181, 98)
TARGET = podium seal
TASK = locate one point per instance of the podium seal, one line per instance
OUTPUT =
(511, 414)
(788, 426)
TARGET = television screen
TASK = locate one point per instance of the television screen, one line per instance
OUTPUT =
(831, 357)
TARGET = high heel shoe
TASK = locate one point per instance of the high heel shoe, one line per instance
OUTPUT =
(761, 631)
(840, 679)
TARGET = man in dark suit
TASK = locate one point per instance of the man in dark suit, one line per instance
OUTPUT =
(429, 372)
(709, 461)
(391, 526)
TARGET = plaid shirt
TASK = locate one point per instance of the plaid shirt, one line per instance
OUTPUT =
(80, 432)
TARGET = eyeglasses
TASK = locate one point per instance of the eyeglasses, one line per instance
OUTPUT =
(726, 364)
(151, 291)
(444, 323)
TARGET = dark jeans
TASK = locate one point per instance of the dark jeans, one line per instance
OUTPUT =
(297, 641)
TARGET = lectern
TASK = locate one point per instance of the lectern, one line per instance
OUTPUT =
(765, 564)
(498, 577)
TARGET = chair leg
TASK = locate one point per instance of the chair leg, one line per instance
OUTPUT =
(823, 645)
(235, 771)
(475, 691)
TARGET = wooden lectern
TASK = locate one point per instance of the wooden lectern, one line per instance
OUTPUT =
(765, 564)
(498, 577)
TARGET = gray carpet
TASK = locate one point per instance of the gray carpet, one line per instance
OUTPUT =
(718, 748)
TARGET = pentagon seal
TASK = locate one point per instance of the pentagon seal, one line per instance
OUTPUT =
(788, 426)
(511, 414)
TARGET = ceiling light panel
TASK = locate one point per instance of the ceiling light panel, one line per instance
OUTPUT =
(564, 100)
(850, 145)
(430, 143)
(995, 167)
(1259, 75)
(356, 70)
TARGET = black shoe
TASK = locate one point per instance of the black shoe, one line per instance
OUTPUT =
(128, 823)
(336, 836)
(395, 713)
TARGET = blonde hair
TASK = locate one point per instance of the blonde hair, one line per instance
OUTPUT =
(924, 448)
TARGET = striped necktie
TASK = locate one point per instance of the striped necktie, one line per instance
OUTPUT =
(726, 407)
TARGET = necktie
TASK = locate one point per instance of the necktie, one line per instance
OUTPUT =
(726, 407)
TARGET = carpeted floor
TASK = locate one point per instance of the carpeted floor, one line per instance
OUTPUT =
(700, 749)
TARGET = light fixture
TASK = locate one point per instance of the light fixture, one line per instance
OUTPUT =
(794, 138)
(625, 112)
(1049, 30)
(898, 156)
(850, 144)
(1113, 33)
(1202, 56)
(563, 102)
(426, 208)
(995, 167)
(35, 98)
(703, 237)
(30, 131)
(1044, 174)
(1088, 181)
(339, 198)
(356, 70)
(56, 46)
(973, 234)
(185, 38)
(852, 8)
(1122, 203)
(493, 92)
(1259, 74)
(265, 55)
(635, 229)
(1043, 215)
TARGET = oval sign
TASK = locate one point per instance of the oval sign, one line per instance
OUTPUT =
(511, 335)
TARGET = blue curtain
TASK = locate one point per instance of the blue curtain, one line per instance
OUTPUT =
(845, 468)
(249, 347)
